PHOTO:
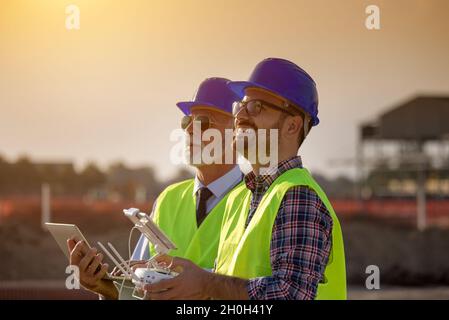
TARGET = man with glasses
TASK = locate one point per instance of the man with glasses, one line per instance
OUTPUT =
(280, 237)
(189, 212)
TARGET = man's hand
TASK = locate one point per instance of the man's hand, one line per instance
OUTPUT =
(190, 284)
(91, 268)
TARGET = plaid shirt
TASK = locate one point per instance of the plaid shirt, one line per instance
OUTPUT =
(300, 243)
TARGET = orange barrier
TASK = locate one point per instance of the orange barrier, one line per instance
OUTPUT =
(63, 207)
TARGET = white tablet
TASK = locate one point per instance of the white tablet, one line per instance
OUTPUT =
(61, 232)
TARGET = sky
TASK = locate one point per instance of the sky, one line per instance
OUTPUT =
(107, 92)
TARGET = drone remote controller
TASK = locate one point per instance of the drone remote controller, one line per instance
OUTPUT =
(144, 276)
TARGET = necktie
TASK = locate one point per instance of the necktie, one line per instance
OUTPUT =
(203, 194)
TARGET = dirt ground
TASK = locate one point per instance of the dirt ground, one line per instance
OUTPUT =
(399, 293)
(412, 265)
(405, 256)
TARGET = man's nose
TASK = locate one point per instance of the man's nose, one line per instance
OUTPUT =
(189, 129)
(241, 116)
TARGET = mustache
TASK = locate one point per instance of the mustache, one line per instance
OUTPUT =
(246, 124)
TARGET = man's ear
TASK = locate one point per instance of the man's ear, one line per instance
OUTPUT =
(293, 125)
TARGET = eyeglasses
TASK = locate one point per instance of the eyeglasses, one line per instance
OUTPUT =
(205, 122)
(255, 107)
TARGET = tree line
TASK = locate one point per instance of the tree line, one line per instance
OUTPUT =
(25, 177)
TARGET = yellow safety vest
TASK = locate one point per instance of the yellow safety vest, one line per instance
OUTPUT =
(175, 214)
(245, 252)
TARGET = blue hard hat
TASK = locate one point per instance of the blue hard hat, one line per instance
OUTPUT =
(285, 79)
(214, 93)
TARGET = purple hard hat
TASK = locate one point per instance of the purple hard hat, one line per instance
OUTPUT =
(285, 79)
(214, 93)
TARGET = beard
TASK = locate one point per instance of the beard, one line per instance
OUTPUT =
(248, 138)
(245, 141)
(193, 151)
(193, 155)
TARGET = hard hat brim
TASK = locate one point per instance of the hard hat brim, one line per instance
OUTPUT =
(186, 106)
(239, 86)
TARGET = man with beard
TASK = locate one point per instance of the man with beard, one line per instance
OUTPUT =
(189, 212)
(280, 237)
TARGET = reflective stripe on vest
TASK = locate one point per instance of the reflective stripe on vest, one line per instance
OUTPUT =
(245, 252)
(175, 214)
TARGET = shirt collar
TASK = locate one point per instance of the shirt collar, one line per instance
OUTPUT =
(221, 185)
(263, 182)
